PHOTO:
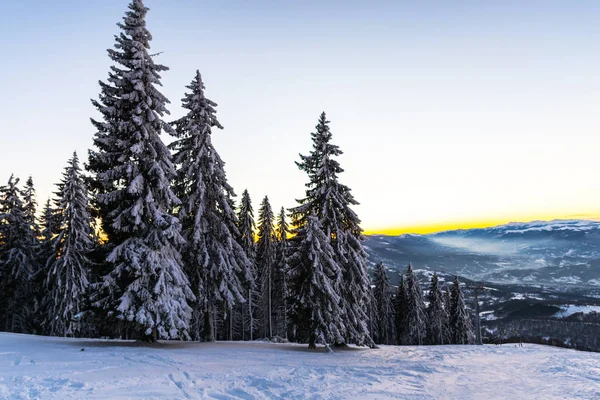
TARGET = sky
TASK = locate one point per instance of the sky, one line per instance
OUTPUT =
(450, 114)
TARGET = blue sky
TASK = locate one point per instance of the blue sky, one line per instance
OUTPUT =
(448, 113)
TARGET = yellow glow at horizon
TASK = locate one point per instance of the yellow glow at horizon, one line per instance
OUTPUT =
(484, 223)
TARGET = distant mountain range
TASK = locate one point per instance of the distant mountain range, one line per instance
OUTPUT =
(559, 252)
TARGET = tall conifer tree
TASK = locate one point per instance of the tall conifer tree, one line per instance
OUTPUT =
(384, 307)
(265, 261)
(415, 317)
(67, 280)
(315, 278)
(331, 203)
(30, 210)
(17, 257)
(132, 169)
(460, 321)
(448, 309)
(281, 276)
(249, 277)
(400, 304)
(437, 317)
(214, 259)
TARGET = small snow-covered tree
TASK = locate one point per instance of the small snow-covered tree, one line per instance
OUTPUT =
(265, 262)
(331, 203)
(132, 167)
(437, 317)
(415, 317)
(315, 278)
(17, 257)
(214, 259)
(68, 273)
(384, 307)
(281, 270)
(460, 321)
(249, 276)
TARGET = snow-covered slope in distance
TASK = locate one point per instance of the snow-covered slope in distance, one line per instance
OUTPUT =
(560, 252)
(35, 367)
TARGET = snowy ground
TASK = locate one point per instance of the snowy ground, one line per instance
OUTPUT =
(55, 368)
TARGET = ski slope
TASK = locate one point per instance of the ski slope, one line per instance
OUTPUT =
(34, 367)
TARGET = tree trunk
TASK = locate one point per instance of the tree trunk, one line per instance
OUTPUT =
(250, 311)
(270, 320)
(151, 338)
(208, 329)
(312, 341)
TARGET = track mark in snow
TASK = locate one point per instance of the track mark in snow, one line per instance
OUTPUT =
(165, 360)
(179, 386)
(240, 394)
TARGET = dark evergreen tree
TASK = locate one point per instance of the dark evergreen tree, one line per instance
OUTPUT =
(315, 278)
(447, 308)
(17, 258)
(437, 317)
(213, 258)
(281, 272)
(265, 261)
(415, 317)
(384, 307)
(460, 321)
(249, 277)
(30, 209)
(132, 169)
(30, 314)
(67, 280)
(373, 318)
(331, 202)
(247, 226)
(49, 227)
(400, 304)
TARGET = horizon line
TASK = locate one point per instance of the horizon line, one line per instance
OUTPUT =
(490, 223)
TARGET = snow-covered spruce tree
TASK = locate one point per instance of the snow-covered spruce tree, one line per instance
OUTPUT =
(416, 318)
(49, 225)
(437, 317)
(30, 209)
(213, 257)
(68, 274)
(372, 313)
(384, 307)
(31, 307)
(147, 288)
(315, 280)
(249, 277)
(447, 308)
(400, 311)
(331, 203)
(265, 262)
(281, 272)
(460, 320)
(17, 258)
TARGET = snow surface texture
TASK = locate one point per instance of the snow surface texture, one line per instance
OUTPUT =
(35, 367)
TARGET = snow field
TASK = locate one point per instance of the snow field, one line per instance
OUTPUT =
(35, 367)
